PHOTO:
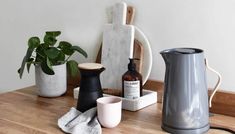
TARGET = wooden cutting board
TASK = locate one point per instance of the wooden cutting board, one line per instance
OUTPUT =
(117, 48)
(138, 46)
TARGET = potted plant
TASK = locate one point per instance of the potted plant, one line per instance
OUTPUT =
(51, 62)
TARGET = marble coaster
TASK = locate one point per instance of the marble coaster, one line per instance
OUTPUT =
(148, 98)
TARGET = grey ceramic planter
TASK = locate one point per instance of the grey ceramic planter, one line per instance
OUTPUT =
(51, 85)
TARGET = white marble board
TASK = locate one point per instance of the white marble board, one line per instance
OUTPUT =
(118, 39)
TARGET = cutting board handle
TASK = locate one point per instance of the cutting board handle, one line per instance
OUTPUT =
(119, 13)
(130, 15)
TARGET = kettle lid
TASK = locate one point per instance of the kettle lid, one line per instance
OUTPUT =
(182, 51)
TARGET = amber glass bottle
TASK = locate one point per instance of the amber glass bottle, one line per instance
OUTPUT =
(131, 82)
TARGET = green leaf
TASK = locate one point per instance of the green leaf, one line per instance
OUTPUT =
(18, 70)
(28, 53)
(33, 42)
(28, 66)
(64, 44)
(52, 52)
(47, 67)
(49, 40)
(44, 45)
(60, 57)
(66, 47)
(29, 62)
(25, 59)
(40, 56)
(73, 67)
(21, 69)
(53, 33)
(50, 37)
(80, 50)
(49, 64)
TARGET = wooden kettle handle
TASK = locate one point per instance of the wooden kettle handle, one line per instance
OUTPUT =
(217, 84)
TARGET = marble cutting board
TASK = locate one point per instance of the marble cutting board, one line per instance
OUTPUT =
(118, 39)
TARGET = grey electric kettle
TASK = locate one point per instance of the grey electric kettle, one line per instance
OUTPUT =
(185, 101)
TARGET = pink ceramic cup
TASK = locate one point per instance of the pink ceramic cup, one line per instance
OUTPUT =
(109, 111)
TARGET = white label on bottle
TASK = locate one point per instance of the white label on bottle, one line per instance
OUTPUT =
(131, 89)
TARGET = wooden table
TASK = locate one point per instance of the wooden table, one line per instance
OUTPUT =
(23, 112)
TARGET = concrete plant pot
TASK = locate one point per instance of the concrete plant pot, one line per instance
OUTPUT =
(51, 85)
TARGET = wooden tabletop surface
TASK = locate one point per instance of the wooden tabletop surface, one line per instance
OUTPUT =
(23, 112)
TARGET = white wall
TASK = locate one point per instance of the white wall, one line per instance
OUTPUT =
(206, 24)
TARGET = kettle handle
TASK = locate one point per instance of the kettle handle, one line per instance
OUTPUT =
(217, 84)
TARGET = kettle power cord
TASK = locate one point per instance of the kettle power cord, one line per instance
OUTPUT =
(222, 128)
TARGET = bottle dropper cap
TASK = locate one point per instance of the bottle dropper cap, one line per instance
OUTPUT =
(131, 65)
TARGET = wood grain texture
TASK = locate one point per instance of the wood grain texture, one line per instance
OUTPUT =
(223, 103)
(138, 51)
(29, 113)
(130, 15)
(23, 112)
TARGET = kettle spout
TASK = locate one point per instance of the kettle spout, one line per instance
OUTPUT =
(165, 55)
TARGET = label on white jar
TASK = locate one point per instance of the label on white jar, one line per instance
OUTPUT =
(131, 89)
